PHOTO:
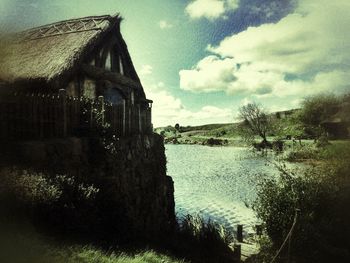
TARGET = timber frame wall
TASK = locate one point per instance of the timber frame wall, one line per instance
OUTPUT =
(25, 116)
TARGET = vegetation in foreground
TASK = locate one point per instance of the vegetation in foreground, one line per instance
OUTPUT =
(48, 203)
(28, 246)
(195, 240)
(322, 194)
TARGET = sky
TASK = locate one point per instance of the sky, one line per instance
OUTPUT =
(200, 60)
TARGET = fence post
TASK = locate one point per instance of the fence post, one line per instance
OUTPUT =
(259, 230)
(237, 252)
(101, 102)
(240, 233)
(63, 101)
(150, 118)
(130, 118)
(124, 117)
(139, 118)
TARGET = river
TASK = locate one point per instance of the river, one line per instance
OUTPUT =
(216, 182)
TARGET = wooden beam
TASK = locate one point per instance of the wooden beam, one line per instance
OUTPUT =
(102, 74)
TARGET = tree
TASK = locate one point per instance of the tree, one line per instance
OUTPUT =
(316, 109)
(256, 119)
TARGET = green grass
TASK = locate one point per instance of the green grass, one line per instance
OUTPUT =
(337, 149)
(25, 245)
(92, 255)
(200, 134)
(195, 240)
(310, 152)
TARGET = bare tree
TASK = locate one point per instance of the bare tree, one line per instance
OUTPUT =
(255, 119)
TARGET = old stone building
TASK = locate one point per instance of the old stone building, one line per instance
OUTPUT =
(61, 82)
(86, 57)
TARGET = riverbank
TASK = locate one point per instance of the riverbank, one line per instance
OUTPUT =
(195, 241)
(211, 134)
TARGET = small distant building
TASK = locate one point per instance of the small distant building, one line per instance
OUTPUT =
(81, 58)
(338, 125)
(285, 114)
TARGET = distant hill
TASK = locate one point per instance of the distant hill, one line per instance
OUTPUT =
(207, 129)
(223, 133)
(227, 133)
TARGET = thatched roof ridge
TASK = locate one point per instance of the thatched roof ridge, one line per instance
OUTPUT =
(47, 52)
(66, 27)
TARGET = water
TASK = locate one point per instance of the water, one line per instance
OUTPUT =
(216, 182)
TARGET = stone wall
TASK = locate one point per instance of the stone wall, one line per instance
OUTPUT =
(134, 188)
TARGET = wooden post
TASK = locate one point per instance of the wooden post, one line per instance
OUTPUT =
(258, 230)
(150, 118)
(130, 120)
(237, 252)
(139, 118)
(240, 233)
(101, 102)
(63, 101)
(124, 118)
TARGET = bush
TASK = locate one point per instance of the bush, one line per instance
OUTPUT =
(200, 240)
(207, 232)
(322, 141)
(322, 194)
(49, 200)
(302, 153)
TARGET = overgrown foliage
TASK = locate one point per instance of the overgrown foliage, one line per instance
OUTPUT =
(318, 108)
(20, 243)
(66, 207)
(322, 108)
(322, 193)
(201, 240)
(49, 200)
(94, 116)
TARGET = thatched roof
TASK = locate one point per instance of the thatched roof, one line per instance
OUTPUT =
(46, 52)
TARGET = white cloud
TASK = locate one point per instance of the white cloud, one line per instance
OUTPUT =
(163, 24)
(168, 110)
(146, 70)
(210, 74)
(246, 101)
(304, 53)
(210, 9)
(232, 4)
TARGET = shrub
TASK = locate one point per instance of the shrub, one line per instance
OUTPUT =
(49, 200)
(322, 194)
(205, 231)
(301, 153)
(200, 240)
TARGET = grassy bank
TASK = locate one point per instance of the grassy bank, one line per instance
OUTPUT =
(27, 246)
(193, 240)
(224, 134)
(311, 151)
